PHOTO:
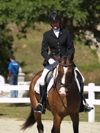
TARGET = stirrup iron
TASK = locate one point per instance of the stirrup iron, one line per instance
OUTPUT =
(39, 108)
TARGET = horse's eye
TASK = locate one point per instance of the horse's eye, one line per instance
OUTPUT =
(69, 72)
(59, 71)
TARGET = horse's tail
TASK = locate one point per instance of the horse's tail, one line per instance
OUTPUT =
(30, 121)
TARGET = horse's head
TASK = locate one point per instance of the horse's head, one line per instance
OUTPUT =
(65, 74)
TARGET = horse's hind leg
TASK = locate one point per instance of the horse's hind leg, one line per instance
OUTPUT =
(39, 122)
(75, 120)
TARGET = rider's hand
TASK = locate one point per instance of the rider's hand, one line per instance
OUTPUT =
(51, 61)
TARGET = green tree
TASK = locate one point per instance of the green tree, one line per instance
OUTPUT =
(5, 50)
(77, 15)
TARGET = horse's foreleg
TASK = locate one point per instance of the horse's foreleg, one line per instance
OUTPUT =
(52, 131)
(75, 120)
(56, 125)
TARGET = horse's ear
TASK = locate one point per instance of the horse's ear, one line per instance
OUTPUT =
(70, 57)
(57, 58)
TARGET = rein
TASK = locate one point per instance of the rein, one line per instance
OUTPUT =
(65, 65)
(66, 85)
(69, 83)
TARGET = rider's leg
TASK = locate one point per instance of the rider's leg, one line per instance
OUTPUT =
(84, 106)
(45, 72)
(40, 108)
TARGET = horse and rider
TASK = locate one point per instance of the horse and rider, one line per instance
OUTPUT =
(60, 85)
(60, 43)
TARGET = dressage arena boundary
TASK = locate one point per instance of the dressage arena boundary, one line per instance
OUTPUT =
(91, 89)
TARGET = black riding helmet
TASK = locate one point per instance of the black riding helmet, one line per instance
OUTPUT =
(54, 17)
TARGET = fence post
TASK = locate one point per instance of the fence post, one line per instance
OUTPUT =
(91, 97)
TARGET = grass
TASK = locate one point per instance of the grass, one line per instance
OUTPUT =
(21, 112)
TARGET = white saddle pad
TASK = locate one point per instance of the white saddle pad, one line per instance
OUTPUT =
(37, 85)
(77, 82)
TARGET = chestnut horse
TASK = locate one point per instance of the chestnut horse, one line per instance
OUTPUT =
(59, 104)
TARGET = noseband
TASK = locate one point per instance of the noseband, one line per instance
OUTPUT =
(66, 85)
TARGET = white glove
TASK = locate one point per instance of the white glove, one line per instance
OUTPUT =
(51, 61)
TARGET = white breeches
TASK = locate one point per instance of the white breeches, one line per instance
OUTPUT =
(45, 71)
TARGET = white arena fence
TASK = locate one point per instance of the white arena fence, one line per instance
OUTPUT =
(22, 86)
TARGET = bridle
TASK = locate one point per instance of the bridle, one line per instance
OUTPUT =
(66, 65)
(66, 85)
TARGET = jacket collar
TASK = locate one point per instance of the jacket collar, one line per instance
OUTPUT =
(60, 33)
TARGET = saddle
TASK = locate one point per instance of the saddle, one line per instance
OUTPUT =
(52, 75)
(48, 79)
(78, 76)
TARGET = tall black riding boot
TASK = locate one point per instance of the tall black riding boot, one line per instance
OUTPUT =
(84, 108)
(41, 107)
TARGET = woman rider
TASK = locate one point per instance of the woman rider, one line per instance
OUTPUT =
(60, 44)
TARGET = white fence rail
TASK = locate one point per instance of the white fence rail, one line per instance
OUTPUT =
(91, 89)
(21, 89)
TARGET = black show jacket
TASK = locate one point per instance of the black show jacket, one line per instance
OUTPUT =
(61, 46)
